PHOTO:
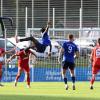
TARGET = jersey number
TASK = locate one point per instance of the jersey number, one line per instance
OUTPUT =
(69, 49)
(98, 53)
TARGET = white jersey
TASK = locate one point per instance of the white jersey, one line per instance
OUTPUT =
(1, 59)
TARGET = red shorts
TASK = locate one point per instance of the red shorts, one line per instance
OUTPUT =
(24, 67)
(0, 66)
(95, 69)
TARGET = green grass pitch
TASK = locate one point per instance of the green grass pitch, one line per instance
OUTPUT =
(49, 91)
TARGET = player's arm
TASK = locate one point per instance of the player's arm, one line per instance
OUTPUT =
(47, 27)
(12, 57)
(9, 51)
(91, 56)
(77, 54)
(49, 53)
(60, 54)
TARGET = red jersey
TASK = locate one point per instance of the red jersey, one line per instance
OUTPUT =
(1, 56)
(95, 55)
(23, 58)
(1, 51)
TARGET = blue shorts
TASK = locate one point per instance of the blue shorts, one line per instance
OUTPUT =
(66, 65)
(40, 47)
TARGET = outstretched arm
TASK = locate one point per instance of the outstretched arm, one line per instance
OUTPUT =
(49, 53)
(7, 52)
(12, 57)
(47, 27)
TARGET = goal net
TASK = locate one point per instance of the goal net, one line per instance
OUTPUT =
(48, 69)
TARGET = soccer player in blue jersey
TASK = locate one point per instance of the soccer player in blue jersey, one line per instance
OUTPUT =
(69, 51)
(39, 47)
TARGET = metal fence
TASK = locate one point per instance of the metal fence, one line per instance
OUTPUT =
(67, 13)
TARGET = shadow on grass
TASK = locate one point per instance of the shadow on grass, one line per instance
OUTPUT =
(30, 97)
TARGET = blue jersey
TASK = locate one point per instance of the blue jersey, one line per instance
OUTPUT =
(69, 50)
(45, 39)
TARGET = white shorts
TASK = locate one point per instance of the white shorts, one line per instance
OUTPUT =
(2, 59)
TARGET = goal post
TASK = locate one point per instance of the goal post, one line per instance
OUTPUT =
(62, 32)
(48, 69)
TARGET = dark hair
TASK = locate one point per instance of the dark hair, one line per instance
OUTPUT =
(70, 36)
(21, 49)
(27, 49)
(42, 29)
(98, 40)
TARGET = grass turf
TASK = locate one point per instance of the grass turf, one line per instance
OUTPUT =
(49, 91)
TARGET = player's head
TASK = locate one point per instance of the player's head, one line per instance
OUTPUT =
(25, 48)
(22, 49)
(98, 41)
(71, 37)
(42, 29)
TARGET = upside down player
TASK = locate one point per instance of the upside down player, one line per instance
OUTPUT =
(95, 60)
(2, 61)
(39, 47)
(23, 64)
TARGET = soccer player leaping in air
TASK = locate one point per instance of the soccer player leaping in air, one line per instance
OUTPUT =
(95, 60)
(23, 64)
(69, 51)
(39, 47)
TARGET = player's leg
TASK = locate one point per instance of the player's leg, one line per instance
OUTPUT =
(28, 79)
(71, 67)
(38, 47)
(63, 72)
(92, 81)
(27, 73)
(1, 75)
(18, 75)
(31, 38)
(73, 79)
(95, 69)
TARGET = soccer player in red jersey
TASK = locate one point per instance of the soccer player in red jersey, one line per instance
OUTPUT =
(95, 60)
(23, 64)
(2, 61)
